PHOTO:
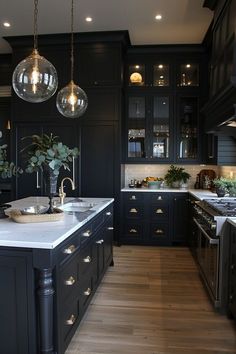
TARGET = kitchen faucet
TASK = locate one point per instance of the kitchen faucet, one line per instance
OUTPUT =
(62, 194)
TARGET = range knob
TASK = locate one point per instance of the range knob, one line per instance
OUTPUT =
(213, 225)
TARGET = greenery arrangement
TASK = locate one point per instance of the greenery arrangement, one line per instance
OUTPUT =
(175, 174)
(226, 184)
(7, 169)
(47, 150)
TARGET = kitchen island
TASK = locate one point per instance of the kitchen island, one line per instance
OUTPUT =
(49, 273)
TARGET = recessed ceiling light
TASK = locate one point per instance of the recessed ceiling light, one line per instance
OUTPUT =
(137, 66)
(88, 19)
(160, 66)
(6, 24)
(158, 17)
(188, 66)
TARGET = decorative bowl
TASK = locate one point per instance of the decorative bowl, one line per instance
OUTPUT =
(154, 184)
(34, 210)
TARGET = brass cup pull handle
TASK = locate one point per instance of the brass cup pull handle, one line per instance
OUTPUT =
(159, 197)
(133, 210)
(70, 281)
(87, 233)
(159, 211)
(133, 231)
(87, 259)
(69, 250)
(110, 228)
(133, 197)
(159, 232)
(87, 292)
(100, 242)
(71, 320)
(108, 213)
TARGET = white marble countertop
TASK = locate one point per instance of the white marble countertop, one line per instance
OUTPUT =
(45, 235)
(198, 193)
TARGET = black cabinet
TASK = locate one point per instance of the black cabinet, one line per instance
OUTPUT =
(154, 218)
(232, 272)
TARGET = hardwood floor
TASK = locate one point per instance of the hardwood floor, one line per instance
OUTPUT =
(153, 302)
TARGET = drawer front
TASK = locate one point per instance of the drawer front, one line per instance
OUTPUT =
(86, 233)
(108, 213)
(69, 248)
(98, 222)
(86, 289)
(159, 234)
(69, 279)
(133, 197)
(159, 211)
(134, 211)
(85, 261)
(69, 321)
(160, 198)
(133, 231)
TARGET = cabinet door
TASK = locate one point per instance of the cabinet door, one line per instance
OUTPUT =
(98, 158)
(187, 129)
(180, 217)
(14, 313)
(99, 65)
(232, 273)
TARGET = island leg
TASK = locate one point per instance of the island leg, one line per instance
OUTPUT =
(45, 301)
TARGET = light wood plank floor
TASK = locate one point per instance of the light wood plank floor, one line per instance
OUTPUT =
(153, 302)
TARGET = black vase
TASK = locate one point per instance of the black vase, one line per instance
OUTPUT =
(220, 191)
(50, 185)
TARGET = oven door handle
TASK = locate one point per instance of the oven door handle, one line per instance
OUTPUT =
(212, 241)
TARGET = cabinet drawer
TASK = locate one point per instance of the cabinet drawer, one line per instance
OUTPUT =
(108, 213)
(85, 261)
(159, 211)
(133, 197)
(69, 279)
(133, 231)
(159, 198)
(134, 211)
(159, 234)
(68, 249)
(86, 233)
(86, 289)
(69, 320)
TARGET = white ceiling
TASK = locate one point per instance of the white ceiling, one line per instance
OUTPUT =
(184, 21)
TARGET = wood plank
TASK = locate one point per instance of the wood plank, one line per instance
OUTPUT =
(153, 302)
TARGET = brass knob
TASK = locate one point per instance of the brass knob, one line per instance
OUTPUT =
(70, 281)
(108, 213)
(133, 210)
(100, 242)
(69, 250)
(159, 232)
(87, 259)
(110, 228)
(71, 320)
(87, 292)
(133, 231)
(159, 211)
(133, 197)
(159, 197)
(87, 233)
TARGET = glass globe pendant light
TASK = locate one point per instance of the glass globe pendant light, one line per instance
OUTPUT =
(35, 78)
(72, 101)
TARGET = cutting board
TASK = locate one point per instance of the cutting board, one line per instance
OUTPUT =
(210, 174)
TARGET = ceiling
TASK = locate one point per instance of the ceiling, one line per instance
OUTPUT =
(183, 21)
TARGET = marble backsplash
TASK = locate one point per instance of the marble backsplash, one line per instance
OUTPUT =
(139, 172)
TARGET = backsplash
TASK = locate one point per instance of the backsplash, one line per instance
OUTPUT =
(227, 171)
(139, 172)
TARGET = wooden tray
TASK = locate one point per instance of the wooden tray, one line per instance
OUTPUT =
(17, 216)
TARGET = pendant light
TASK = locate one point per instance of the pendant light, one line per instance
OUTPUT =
(35, 78)
(72, 101)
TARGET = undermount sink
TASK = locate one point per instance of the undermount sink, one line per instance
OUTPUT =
(77, 206)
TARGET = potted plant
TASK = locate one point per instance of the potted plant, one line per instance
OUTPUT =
(220, 186)
(175, 175)
(7, 169)
(48, 154)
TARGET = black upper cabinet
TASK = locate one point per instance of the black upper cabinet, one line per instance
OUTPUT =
(100, 65)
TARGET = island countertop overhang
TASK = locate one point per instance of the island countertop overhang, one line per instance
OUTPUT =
(46, 235)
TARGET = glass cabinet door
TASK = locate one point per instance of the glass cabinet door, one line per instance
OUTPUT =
(136, 75)
(161, 74)
(187, 128)
(136, 127)
(188, 75)
(161, 127)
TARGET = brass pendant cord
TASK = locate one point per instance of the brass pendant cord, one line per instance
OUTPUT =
(35, 24)
(72, 40)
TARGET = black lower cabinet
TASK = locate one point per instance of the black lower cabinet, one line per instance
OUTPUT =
(45, 293)
(232, 273)
(154, 218)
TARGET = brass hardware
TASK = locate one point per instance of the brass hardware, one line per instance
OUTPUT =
(210, 157)
(133, 231)
(133, 210)
(159, 211)
(110, 228)
(108, 213)
(37, 180)
(71, 320)
(232, 266)
(87, 259)
(71, 249)
(87, 292)
(133, 197)
(159, 232)
(100, 242)
(159, 197)
(70, 281)
(87, 233)
(62, 194)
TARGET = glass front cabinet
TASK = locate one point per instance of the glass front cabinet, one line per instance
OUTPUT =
(162, 112)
